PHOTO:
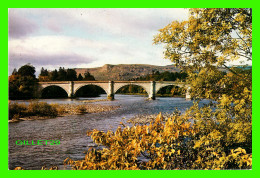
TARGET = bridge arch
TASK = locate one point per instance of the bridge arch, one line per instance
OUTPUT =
(89, 84)
(118, 86)
(121, 86)
(158, 87)
(77, 90)
(44, 88)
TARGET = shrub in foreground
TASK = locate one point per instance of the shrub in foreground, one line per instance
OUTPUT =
(173, 143)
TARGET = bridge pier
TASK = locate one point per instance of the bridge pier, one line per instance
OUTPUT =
(71, 89)
(152, 90)
(111, 93)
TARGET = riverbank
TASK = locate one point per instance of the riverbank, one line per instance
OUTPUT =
(94, 100)
(43, 110)
(75, 109)
(157, 95)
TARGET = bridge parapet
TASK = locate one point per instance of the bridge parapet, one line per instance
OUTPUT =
(54, 82)
(92, 81)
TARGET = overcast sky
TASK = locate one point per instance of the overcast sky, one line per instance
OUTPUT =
(82, 38)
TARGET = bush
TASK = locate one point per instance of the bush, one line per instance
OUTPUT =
(16, 110)
(41, 109)
(60, 108)
(81, 109)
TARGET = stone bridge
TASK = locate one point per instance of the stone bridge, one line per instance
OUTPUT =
(111, 87)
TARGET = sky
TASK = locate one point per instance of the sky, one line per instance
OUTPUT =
(89, 37)
(84, 38)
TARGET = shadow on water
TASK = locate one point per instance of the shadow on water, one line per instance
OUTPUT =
(71, 130)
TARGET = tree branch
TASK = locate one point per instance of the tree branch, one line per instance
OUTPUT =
(232, 71)
(245, 56)
(241, 39)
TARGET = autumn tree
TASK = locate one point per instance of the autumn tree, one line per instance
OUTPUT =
(27, 70)
(22, 83)
(209, 39)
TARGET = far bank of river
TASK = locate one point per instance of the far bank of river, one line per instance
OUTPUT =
(71, 130)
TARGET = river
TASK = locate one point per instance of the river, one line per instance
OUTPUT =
(71, 130)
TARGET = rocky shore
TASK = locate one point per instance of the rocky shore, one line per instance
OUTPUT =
(74, 109)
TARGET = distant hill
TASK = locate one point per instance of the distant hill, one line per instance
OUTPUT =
(124, 71)
(130, 71)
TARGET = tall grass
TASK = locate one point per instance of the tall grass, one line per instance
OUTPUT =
(17, 111)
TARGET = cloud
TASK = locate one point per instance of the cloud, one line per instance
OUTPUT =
(51, 51)
(72, 52)
(51, 62)
(125, 21)
(20, 26)
(87, 37)
(101, 21)
(52, 59)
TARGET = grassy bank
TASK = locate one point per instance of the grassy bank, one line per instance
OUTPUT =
(43, 110)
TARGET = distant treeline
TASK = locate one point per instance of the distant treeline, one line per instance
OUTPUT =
(164, 76)
(63, 75)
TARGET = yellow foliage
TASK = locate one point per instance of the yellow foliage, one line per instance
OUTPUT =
(172, 143)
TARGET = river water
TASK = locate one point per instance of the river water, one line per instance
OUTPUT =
(71, 130)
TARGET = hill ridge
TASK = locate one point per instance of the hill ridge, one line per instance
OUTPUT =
(124, 71)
